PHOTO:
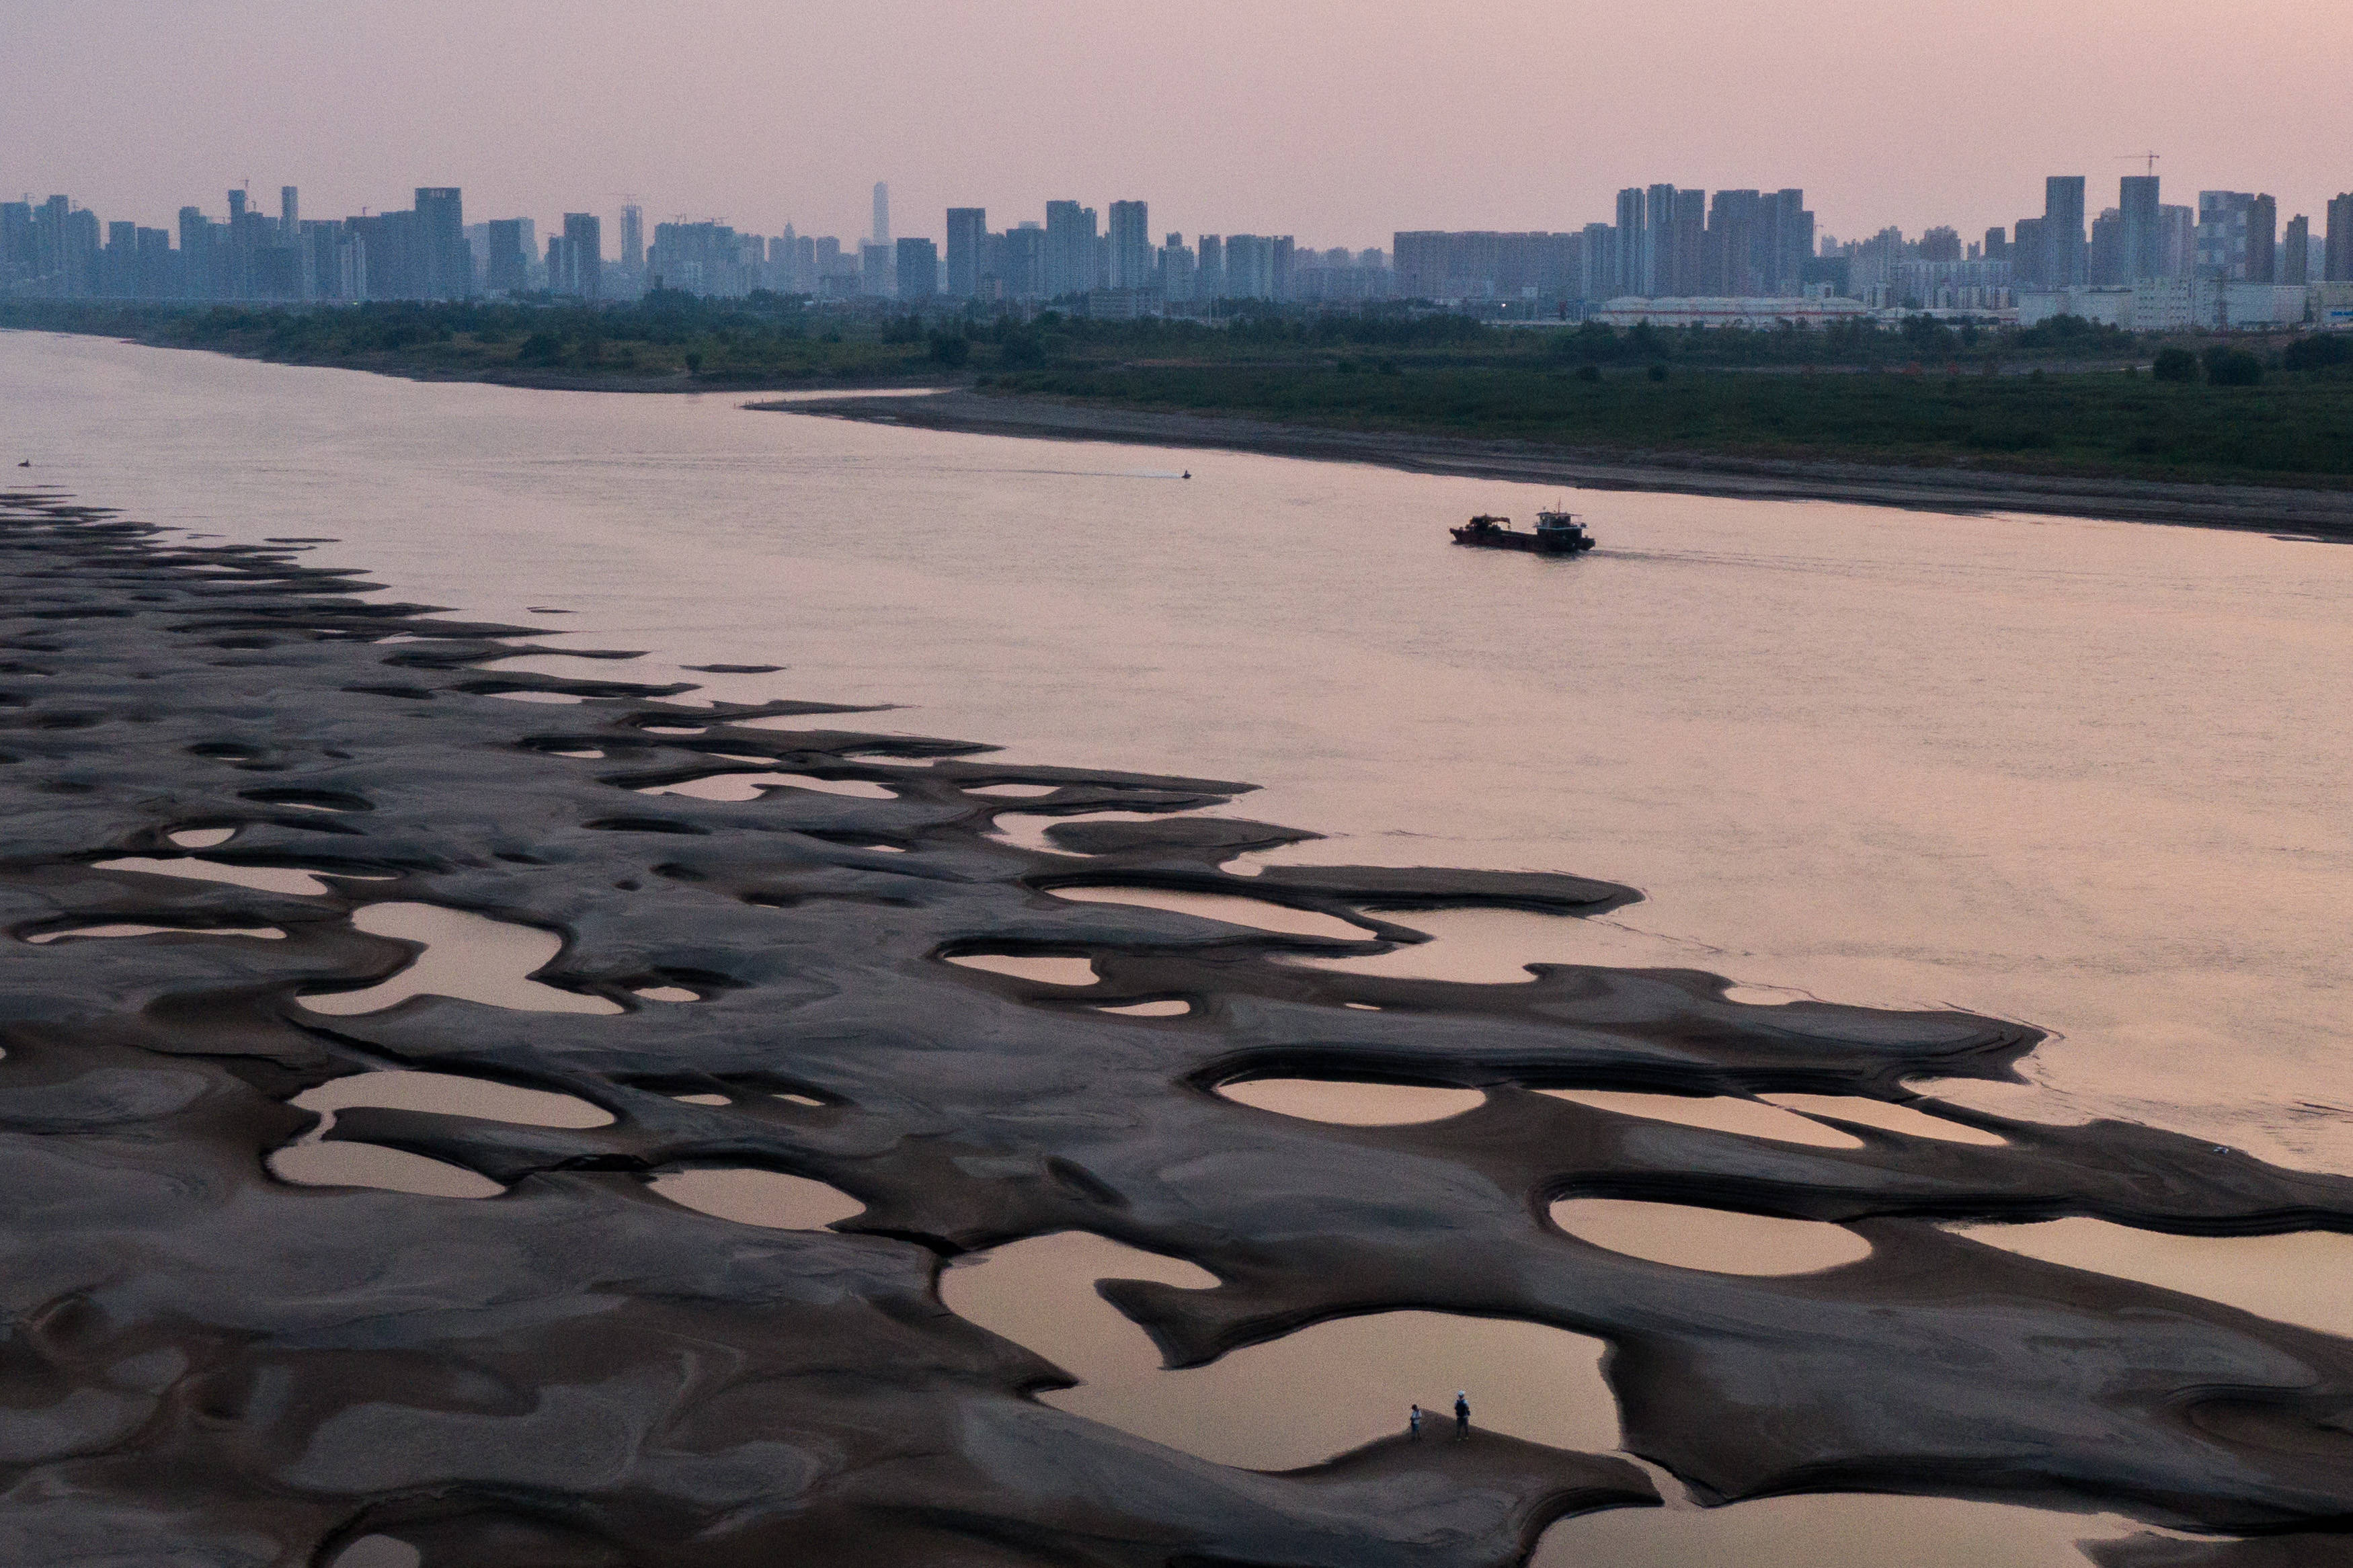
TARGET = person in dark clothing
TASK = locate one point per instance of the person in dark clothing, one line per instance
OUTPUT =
(1413, 1424)
(1462, 1413)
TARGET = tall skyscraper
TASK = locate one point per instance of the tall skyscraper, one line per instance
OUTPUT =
(2064, 246)
(2143, 235)
(1659, 240)
(15, 241)
(1600, 275)
(2107, 265)
(1069, 248)
(289, 212)
(967, 231)
(1024, 262)
(445, 267)
(881, 213)
(1785, 241)
(1633, 247)
(1730, 243)
(633, 239)
(1131, 246)
(2177, 243)
(2263, 240)
(1174, 269)
(506, 258)
(917, 268)
(1209, 276)
(2336, 261)
(584, 256)
(2223, 233)
(1686, 256)
(2295, 251)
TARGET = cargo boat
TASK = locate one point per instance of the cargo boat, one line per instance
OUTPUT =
(1556, 534)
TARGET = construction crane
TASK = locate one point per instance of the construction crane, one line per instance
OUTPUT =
(2135, 157)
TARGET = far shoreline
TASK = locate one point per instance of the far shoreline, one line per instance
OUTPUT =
(2317, 514)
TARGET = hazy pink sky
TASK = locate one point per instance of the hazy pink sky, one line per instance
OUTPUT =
(1334, 121)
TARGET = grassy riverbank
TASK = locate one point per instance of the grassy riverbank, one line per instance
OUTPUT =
(2296, 427)
(2066, 398)
(665, 342)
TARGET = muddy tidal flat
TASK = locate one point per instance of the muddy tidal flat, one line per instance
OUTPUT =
(454, 1115)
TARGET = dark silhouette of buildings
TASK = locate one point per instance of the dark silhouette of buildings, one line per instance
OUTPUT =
(967, 237)
(916, 269)
(2336, 259)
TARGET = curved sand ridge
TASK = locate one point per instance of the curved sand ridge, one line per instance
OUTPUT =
(218, 1363)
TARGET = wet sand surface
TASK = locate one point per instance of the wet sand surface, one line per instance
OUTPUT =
(1979, 802)
(846, 1248)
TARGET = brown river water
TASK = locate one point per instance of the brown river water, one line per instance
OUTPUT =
(2089, 775)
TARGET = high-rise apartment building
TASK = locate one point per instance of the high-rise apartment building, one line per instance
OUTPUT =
(916, 268)
(881, 213)
(967, 235)
(2336, 261)
(1727, 267)
(16, 243)
(1659, 239)
(2030, 259)
(1069, 248)
(1687, 250)
(1435, 264)
(1633, 243)
(633, 239)
(2295, 251)
(1023, 267)
(1131, 246)
(708, 259)
(444, 266)
(1598, 263)
(1209, 268)
(506, 258)
(2107, 265)
(2177, 241)
(2142, 238)
(2238, 235)
(2263, 240)
(2066, 252)
(1785, 240)
(584, 256)
(1258, 267)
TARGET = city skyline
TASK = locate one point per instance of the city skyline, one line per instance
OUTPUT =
(1342, 124)
(1730, 257)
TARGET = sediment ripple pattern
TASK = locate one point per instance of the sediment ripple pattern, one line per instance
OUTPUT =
(205, 1366)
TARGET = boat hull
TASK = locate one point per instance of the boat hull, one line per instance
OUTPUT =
(1510, 539)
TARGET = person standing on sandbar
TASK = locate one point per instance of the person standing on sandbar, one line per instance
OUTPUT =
(1413, 1424)
(1462, 1413)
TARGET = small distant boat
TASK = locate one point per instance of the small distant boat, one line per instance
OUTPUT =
(1556, 534)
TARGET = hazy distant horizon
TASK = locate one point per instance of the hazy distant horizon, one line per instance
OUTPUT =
(1336, 124)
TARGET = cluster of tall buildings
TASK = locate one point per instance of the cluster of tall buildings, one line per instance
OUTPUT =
(426, 251)
(1671, 253)
(1071, 255)
(1108, 259)
(2148, 265)
(429, 251)
(2231, 236)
